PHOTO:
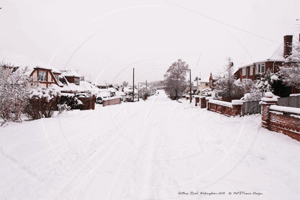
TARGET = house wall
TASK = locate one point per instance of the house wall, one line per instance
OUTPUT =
(49, 77)
(271, 66)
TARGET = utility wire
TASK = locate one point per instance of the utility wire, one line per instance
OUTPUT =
(220, 22)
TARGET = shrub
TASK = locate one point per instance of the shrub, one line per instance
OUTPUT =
(71, 101)
(42, 103)
(14, 92)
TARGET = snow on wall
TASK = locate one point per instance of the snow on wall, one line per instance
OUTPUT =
(285, 109)
(222, 103)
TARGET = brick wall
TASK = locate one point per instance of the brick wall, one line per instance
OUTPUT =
(281, 119)
(111, 101)
(285, 123)
(88, 102)
(225, 108)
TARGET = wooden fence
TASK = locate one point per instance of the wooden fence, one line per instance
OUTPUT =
(251, 107)
(293, 101)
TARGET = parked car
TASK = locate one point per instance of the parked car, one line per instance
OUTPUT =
(99, 100)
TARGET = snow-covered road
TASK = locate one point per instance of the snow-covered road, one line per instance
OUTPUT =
(154, 149)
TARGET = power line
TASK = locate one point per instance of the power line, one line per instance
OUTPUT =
(213, 19)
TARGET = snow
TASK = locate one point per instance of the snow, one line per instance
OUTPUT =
(237, 102)
(69, 72)
(285, 109)
(111, 98)
(270, 97)
(154, 149)
(293, 95)
(274, 77)
(223, 103)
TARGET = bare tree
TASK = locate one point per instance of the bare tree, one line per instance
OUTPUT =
(175, 79)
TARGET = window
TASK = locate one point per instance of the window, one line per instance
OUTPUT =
(56, 77)
(260, 68)
(244, 71)
(251, 70)
(76, 81)
(42, 76)
(206, 84)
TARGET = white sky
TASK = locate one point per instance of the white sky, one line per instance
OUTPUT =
(104, 40)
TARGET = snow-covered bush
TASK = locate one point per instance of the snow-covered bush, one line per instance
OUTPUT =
(70, 100)
(42, 103)
(14, 93)
(62, 108)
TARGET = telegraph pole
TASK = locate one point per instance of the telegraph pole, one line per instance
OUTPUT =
(133, 87)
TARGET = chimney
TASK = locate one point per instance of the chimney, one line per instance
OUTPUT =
(287, 48)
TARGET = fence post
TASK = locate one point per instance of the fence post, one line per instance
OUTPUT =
(203, 102)
(196, 100)
(266, 102)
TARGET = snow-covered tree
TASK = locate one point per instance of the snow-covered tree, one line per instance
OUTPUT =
(227, 82)
(175, 79)
(125, 84)
(290, 72)
(14, 92)
(246, 85)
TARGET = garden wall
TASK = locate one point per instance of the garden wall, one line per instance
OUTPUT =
(281, 119)
(228, 109)
(111, 101)
(88, 102)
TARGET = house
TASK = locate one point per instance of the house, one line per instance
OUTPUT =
(212, 80)
(257, 69)
(45, 76)
(202, 86)
(71, 76)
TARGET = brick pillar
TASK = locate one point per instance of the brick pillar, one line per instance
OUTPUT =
(196, 100)
(203, 102)
(266, 102)
(93, 102)
(237, 110)
(237, 107)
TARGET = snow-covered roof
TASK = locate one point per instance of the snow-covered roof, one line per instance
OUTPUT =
(22, 61)
(69, 72)
(83, 87)
(119, 93)
(276, 55)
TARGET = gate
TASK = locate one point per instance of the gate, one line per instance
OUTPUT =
(251, 107)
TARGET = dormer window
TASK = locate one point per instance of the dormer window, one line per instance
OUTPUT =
(56, 76)
(42, 76)
(77, 81)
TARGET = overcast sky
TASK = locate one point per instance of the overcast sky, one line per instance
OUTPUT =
(104, 40)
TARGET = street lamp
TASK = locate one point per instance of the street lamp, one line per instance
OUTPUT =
(190, 85)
